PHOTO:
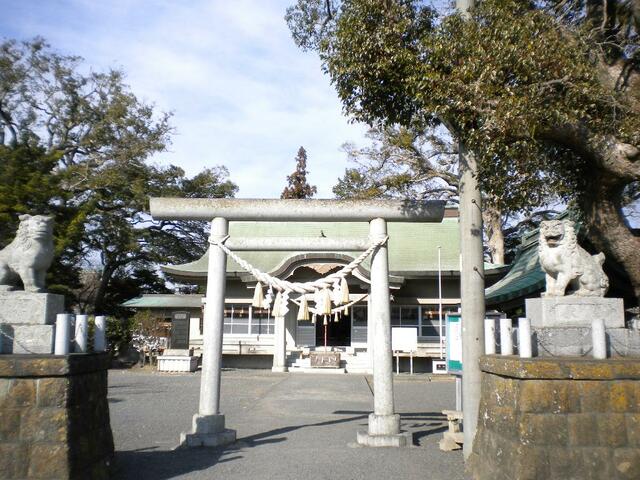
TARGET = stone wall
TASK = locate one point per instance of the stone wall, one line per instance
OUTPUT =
(561, 418)
(54, 417)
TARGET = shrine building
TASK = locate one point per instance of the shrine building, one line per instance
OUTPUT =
(424, 268)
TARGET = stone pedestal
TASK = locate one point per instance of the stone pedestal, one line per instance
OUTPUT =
(573, 311)
(558, 419)
(577, 341)
(26, 321)
(55, 417)
(384, 431)
(208, 431)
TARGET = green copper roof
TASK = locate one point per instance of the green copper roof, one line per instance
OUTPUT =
(524, 278)
(413, 247)
(165, 301)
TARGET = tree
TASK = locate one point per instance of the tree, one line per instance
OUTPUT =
(544, 93)
(77, 146)
(130, 246)
(297, 186)
(408, 163)
(26, 184)
(148, 332)
(401, 162)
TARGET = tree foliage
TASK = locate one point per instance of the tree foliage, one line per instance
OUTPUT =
(401, 162)
(544, 93)
(76, 145)
(29, 168)
(407, 163)
(297, 185)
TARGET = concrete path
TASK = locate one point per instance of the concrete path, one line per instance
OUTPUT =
(290, 426)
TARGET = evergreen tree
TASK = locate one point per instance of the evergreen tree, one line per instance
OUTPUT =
(545, 94)
(76, 146)
(297, 186)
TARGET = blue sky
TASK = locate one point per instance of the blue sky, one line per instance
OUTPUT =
(241, 92)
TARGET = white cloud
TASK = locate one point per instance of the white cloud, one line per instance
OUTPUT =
(242, 94)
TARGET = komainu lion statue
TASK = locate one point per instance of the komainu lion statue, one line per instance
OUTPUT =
(29, 255)
(568, 267)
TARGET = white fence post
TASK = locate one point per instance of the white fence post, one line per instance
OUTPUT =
(599, 339)
(524, 337)
(63, 325)
(489, 336)
(99, 334)
(80, 340)
(506, 339)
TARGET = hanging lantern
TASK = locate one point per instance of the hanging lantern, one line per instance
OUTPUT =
(344, 289)
(346, 311)
(325, 322)
(326, 302)
(313, 318)
(336, 317)
(258, 297)
(303, 310)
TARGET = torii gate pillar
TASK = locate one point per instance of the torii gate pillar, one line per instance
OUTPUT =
(384, 423)
(208, 424)
(280, 346)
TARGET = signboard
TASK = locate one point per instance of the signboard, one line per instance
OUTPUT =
(325, 359)
(180, 330)
(454, 343)
(404, 339)
(439, 367)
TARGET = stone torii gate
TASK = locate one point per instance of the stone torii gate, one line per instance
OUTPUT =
(209, 423)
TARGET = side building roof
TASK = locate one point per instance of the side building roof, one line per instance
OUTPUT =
(525, 277)
(162, 300)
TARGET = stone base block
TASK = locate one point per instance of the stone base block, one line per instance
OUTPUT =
(559, 342)
(191, 440)
(574, 311)
(30, 308)
(402, 439)
(279, 369)
(55, 417)
(451, 441)
(177, 363)
(557, 419)
(384, 424)
(320, 371)
(384, 431)
(208, 431)
(208, 423)
(26, 338)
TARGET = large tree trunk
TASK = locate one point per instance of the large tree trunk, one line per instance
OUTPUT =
(614, 165)
(492, 219)
(105, 278)
(609, 232)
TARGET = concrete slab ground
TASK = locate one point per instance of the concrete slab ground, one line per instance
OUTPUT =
(290, 427)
